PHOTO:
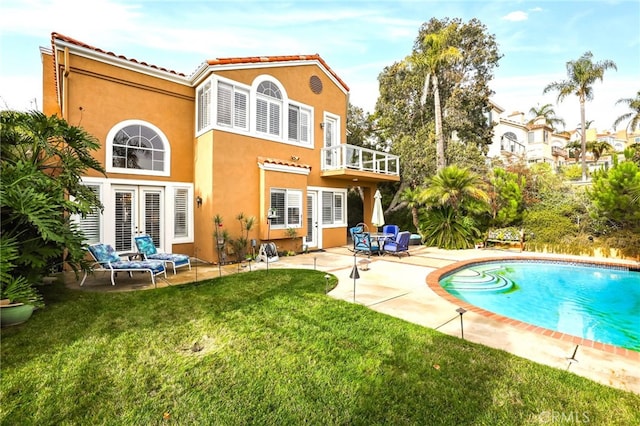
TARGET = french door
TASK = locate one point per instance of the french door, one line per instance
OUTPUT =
(330, 141)
(311, 239)
(138, 210)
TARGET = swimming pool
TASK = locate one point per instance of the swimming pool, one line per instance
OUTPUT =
(598, 303)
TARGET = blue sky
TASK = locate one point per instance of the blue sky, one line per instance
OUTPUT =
(356, 38)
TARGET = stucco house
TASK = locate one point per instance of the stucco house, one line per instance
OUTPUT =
(238, 135)
(516, 139)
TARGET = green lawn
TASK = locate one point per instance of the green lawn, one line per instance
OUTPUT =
(258, 348)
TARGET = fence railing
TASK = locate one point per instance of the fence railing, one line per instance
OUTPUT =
(358, 158)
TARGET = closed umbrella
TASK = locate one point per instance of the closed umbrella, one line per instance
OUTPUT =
(377, 219)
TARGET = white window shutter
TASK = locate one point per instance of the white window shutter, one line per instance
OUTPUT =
(180, 213)
(240, 109)
(224, 104)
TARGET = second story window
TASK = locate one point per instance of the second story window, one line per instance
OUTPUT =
(298, 124)
(137, 147)
(233, 106)
(268, 109)
(204, 106)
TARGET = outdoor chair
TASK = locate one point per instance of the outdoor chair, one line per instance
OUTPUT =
(391, 229)
(399, 246)
(360, 227)
(107, 260)
(362, 244)
(148, 249)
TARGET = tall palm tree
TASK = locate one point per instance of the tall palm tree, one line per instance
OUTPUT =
(582, 74)
(547, 112)
(633, 117)
(436, 54)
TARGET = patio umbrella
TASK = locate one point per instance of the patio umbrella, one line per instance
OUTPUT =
(377, 219)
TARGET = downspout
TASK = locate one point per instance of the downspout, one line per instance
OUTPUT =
(65, 84)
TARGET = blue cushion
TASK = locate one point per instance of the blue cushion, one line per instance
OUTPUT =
(177, 259)
(155, 265)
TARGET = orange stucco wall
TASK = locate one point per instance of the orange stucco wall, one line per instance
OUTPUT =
(101, 95)
(223, 166)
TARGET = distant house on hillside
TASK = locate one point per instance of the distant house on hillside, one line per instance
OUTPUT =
(516, 140)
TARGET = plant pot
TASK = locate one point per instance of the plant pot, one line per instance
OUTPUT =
(15, 313)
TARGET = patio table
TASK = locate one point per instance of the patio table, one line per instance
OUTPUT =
(380, 237)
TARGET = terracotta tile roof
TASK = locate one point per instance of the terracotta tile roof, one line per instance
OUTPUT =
(58, 36)
(282, 162)
(274, 59)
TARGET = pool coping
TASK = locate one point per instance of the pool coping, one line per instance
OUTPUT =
(433, 281)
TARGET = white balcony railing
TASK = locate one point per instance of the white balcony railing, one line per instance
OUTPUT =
(361, 159)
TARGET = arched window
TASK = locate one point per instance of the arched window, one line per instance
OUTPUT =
(138, 147)
(511, 136)
(269, 108)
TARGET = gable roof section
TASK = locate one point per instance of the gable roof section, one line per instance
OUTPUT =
(60, 41)
(255, 61)
(68, 40)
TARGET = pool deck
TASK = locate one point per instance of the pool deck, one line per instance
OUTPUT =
(404, 288)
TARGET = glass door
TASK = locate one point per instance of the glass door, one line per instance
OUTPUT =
(311, 239)
(138, 210)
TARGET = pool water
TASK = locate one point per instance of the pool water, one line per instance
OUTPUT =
(592, 302)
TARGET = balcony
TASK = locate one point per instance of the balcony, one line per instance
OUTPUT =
(558, 152)
(356, 163)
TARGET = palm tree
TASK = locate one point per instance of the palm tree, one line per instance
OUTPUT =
(582, 74)
(437, 53)
(547, 112)
(597, 148)
(633, 117)
(574, 148)
(453, 199)
(410, 197)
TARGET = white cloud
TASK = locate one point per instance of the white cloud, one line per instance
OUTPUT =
(516, 16)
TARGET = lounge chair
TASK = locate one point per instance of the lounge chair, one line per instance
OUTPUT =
(399, 246)
(107, 260)
(150, 252)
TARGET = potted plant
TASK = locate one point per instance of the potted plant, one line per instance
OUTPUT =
(18, 297)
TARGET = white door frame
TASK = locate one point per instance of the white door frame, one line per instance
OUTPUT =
(138, 214)
(312, 220)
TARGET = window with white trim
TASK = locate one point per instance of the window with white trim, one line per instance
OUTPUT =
(298, 124)
(181, 213)
(288, 206)
(204, 106)
(268, 108)
(333, 208)
(91, 224)
(232, 106)
(137, 147)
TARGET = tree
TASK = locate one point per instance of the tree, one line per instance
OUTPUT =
(598, 148)
(42, 160)
(505, 197)
(454, 200)
(581, 75)
(407, 127)
(632, 118)
(435, 54)
(614, 193)
(547, 112)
